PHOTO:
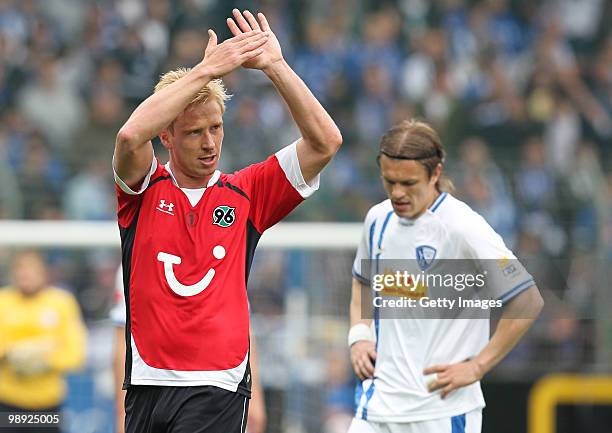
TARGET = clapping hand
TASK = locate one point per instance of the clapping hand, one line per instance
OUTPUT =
(245, 22)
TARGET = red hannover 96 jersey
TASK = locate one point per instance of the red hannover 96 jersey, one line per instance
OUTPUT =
(185, 268)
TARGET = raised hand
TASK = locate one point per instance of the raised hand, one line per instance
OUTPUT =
(245, 22)
(220, 59)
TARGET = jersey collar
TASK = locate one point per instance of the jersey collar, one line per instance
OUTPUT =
(438, 201)
(211, 182)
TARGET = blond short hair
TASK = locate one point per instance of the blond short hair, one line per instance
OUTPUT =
(214, 88)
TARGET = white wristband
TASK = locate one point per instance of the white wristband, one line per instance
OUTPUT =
(359, 332)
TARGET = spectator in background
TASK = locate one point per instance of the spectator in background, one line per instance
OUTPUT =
(106, 115)
(250, 136)
(339, 394)
(373, 106)
(535, 183)
(40, 178)
(601, 75)
(420, 67)
(88, 195)
(492, 68)
(562, 134)
(483, 186)
(538, 200)
(10, 195)
(320, 58)
(51, 106)
(139, 67)
(379, 45)
(554, 49)
(607, 220)
(153, 29)
(42, 337)
(186, 48)
(587, 184)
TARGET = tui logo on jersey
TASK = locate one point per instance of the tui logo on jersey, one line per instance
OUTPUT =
(425, 256)
(169, 260)
(224, 216)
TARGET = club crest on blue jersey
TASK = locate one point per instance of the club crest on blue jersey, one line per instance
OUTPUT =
(425, 256)
(224, 216)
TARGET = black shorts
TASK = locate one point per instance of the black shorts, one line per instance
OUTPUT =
(184, 409)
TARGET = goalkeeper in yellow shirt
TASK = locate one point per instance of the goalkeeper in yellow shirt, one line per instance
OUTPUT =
(42, 336)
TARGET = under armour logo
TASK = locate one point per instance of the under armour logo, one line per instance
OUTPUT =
(169, 207)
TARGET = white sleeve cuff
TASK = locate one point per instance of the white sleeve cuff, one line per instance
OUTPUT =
(145, 183)
(289, 162)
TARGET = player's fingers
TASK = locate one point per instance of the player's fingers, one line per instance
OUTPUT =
(255, 41)
(434, 386)
(231, 24)
(251, 19)
(367, 364)
(438, 383)
(435, 369)
(361, 373)
(243, 36)
(366, 372)
(251, 46)
(212, 39)
(242, 23)
(447, 389)
(251, 54)
(357, 370)
(372, 353)
(443, 376)
(264, 22)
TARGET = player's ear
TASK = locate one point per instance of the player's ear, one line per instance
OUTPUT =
(436, 173)
(164, 137)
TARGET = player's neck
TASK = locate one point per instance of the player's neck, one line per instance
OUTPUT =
(434, 196)
(184, 181)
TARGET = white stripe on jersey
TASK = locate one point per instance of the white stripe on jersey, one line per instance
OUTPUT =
(143, 374)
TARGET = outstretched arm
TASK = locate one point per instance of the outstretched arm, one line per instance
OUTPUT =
(321, 138)
(133, 148)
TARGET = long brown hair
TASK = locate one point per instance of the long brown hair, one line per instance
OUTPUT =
(416, 140)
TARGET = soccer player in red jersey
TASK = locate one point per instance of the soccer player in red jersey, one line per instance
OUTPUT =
(188, 233)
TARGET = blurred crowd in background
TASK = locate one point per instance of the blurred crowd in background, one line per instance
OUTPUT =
(520, 91)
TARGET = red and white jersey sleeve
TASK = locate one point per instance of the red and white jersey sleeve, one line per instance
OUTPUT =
(187, 265)
(277, 187)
